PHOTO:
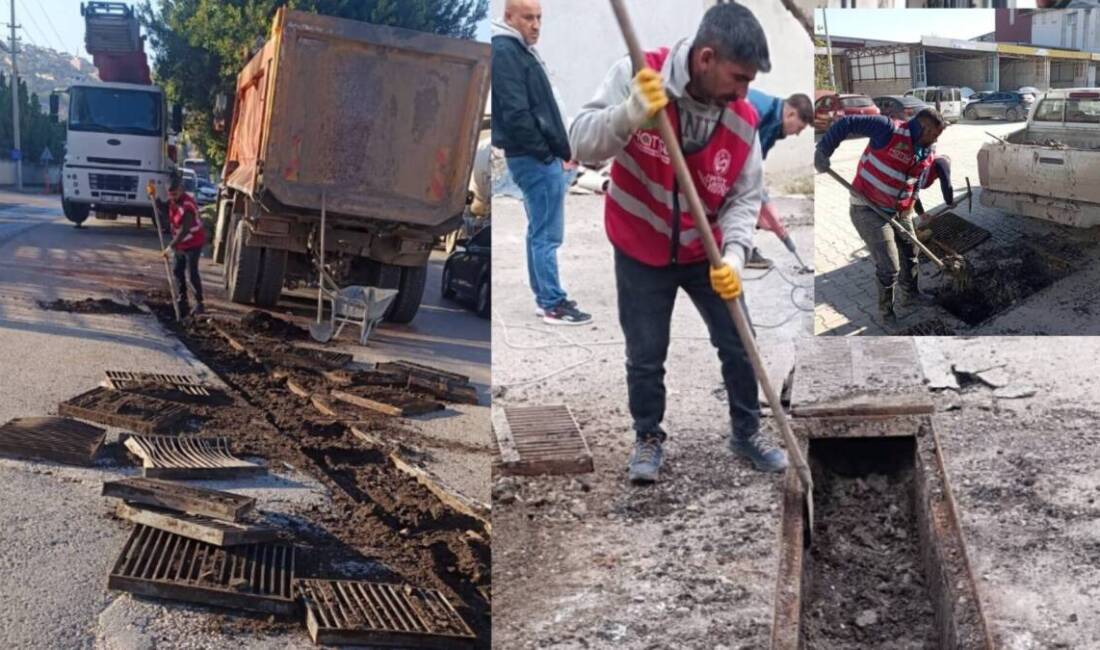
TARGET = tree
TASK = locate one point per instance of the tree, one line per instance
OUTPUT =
(36, 131)
(200, 45)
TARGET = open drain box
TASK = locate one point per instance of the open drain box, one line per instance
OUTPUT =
(914, 514)
(126, 410)
(60, 440)
(253, 577)
(540, 440)
(377, 614)
(190, 457)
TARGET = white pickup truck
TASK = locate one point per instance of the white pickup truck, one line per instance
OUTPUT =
(1050, 169)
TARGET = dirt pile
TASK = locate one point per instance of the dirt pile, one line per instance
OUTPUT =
(261, 322)
(89, 306)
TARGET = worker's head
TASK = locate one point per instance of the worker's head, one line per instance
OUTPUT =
(524, 16)
(728, 51)
(798, 113)
(175, 185)
(932, 125)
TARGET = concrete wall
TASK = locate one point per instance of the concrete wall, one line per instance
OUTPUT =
(581, 40)
(1069, 74)
(944, 71)
(1015, 73)
(876, 88)
(1077, 29)
(1012, 26)
(33, 175)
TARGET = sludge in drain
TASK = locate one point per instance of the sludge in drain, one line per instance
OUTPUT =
(863, 579)
(998, 285)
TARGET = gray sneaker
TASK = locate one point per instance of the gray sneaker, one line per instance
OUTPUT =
(645, 460)
(764, 457)
(565, 314)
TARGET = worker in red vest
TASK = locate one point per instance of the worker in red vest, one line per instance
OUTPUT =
(899, 160)
(702, 84)
(188, 238)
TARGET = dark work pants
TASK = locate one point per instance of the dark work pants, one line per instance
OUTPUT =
(894, 256)
(187, 267)
(646, 297)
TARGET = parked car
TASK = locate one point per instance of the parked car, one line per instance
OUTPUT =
(899, 107)
(976, 97)
(946, 99)
(830, 106)
(466, 272)
(1009, 105)
(206, 193)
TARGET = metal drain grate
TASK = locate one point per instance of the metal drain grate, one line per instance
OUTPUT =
(370, 613)
(540, 440)
(138, 413)
(184, 498)
(932, 327)
(56, 439)
(189, 457)
(952, 233)
(122, 379)
(256, 577)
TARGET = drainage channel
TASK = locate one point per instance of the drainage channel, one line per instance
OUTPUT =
(887, 567)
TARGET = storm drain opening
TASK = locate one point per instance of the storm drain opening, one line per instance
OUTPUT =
(994, 286)
(887, 566)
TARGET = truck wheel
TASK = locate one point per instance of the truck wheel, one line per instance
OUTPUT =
(971, 114)
(484, 305)
(242, 268)
(77, 213)
(410, 291)
(272, 271)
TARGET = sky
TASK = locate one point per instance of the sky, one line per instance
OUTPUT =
(906, 25)
(58, 24)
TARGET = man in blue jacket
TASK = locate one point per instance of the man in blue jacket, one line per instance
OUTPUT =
(778, 119)
(899, 160)
(527, 125)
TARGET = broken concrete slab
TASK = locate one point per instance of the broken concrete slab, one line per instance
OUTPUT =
(858, 376)
(56, 439)
(184, 498)
(1015, 392)
(995, 377)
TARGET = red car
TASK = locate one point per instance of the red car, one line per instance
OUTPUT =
(830, 106)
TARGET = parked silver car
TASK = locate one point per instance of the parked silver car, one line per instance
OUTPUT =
(1009, 105)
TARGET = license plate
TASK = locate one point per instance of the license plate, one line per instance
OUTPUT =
(106, 198)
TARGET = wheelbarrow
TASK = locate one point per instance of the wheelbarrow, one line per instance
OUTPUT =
(355, 304)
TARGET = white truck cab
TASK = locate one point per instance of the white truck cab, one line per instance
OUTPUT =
(116, 142)
(948, 100)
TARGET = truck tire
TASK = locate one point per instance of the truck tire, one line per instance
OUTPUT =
(272, 272)
(77, 213)
(242, 268)
(410, 291)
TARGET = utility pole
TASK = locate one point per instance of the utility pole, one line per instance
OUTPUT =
(15, 102)
(828, 47)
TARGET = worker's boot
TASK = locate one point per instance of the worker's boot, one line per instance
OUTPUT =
(764, 457)
(757, 261)
(886, 305)
(910, 297)
(645, 460)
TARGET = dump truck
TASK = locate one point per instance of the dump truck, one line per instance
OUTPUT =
(376, 127)
(1051, 168)
(118, 130)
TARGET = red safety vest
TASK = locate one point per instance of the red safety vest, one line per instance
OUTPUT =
(889, 177)
(196, 237)
(639, 207)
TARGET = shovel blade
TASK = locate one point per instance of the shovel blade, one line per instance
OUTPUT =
(321, 332)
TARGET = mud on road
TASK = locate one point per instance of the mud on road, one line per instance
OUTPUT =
(379, 515)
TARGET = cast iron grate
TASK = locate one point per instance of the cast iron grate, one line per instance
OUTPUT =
(51, 438)
(138, 413)
(952, 233)
(256, 577)
(122, 380)
(370, 613)
(189, 457)
(541, 440)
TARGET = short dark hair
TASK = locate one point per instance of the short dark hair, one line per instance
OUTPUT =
(803, 106)
(733, 32)
(931, 117)
(175, 180)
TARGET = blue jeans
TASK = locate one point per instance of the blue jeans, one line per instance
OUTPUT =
(543, 187)
(646, 296)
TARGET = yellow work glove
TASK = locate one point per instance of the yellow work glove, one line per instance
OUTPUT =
(725, 281)
(647, 97)
(151, 188)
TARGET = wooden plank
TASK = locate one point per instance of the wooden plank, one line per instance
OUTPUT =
(854, 376)
(293, 386)
(418, 407)
(426, 372)
(451, 499)
(462, 394)
(204, 529)
(184, 498)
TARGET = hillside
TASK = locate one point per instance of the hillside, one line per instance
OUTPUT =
(45, 70)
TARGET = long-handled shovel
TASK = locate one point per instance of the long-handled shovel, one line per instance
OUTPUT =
(151, 190)
(319, 329)
(715, 258)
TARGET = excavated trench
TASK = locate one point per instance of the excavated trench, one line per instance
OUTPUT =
(379, 515)
(863, 576)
